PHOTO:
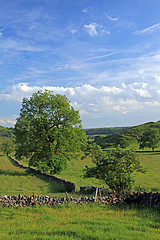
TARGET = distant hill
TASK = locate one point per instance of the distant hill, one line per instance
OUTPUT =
(137, 131)
(6, 132)
(92, 132)
(130, 133)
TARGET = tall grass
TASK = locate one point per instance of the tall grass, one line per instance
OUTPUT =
(85, 222)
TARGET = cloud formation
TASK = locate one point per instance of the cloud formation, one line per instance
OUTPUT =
(91, 29)
(96, 101)
(9, 121)
(149, 29)
(111, 18)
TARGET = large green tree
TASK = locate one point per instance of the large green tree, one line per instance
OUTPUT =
(149, 139)
(115, 167)
(48, 131)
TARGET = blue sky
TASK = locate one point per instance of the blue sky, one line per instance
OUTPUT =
(104, 55)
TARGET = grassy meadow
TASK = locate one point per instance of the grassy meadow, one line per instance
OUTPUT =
(15, 180)
(81, 222)
(150, 181)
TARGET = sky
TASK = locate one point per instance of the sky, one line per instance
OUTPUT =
(104, 55)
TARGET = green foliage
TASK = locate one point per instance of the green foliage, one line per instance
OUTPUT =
(121, 142)
(48, 131)
(131, 134)
(114, 167)
(7, 147)
(150, 139)
(6, 132)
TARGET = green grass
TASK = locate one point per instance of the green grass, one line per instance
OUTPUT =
(150, 181)
(15, 180)
(95, 222)
(74, 172)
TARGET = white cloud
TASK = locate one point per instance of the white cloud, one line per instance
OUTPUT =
(95, 29)
(87, 96)
(9, 44)
(148, 29)
(8, 121)
(95, 102)
(107, 32)
(2, 121)
(142, 93)
(114, 90)
(91, 29)
(111, 18)
(73, 31)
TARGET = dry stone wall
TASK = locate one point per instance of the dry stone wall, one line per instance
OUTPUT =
(147, 199)
(70, 185)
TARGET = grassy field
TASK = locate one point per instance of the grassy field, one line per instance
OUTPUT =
(150, 181)
(15, 180)
(86, 222)
(94, 222)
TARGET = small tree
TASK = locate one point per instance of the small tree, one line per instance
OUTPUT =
(7, 147)
(48, 131)
(150, 139)
(114, 167)
(121, 142)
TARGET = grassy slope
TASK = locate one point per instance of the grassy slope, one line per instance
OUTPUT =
(15, 180)
(6, 133)
(131, 134)
(74, 173)
(149, 181)
(94, 222)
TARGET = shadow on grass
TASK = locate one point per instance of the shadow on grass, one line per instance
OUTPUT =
(14, 173)
(149, 152)
(53, 186)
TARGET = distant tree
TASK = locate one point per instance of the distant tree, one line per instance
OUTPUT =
(121, 142)
(7, 147)
(114, 167)
(98, 139)
(48, 131)
(149, 139)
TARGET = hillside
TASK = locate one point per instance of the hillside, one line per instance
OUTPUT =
(6, 132)
(92, 132)
(131, 134)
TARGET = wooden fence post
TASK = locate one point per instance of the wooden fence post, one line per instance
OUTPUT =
(96, 195)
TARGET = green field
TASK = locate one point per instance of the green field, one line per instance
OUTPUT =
(94, 222)
(150, 181)
(81, 222)
(15, 180)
